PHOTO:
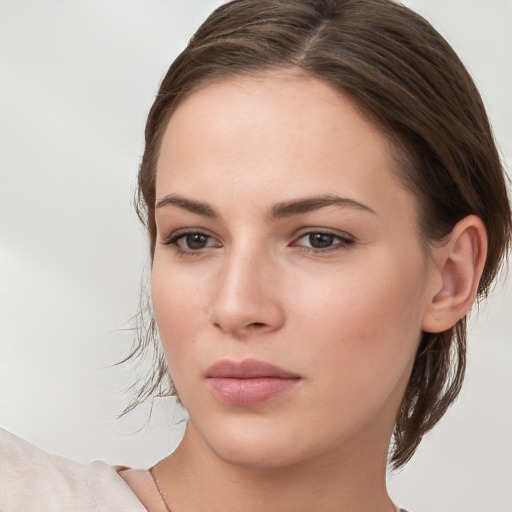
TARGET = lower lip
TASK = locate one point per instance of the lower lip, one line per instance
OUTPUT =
(247, 392)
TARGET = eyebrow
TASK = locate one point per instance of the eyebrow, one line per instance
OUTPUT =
(279, 210)
(190, 205)
(310, 204)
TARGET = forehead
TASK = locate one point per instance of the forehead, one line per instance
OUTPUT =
(274, 136)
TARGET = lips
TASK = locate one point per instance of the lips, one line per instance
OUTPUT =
(248, 382)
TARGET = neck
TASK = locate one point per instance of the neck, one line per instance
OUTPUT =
(194, 476)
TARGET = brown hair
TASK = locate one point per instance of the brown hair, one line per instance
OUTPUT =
(404, 77)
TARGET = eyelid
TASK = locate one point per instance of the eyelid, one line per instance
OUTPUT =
(182, 233)
(342, 240)
(345, 239)
(327, 231)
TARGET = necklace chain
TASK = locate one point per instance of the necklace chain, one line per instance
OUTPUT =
(158, 486)
(168, 507)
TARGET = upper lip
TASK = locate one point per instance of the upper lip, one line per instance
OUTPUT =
(247, 369)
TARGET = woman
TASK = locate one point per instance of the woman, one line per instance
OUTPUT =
(324, 201)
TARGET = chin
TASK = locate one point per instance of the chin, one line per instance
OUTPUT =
(259, 444)
(255, 455)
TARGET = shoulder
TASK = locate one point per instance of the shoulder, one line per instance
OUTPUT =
(31, 479)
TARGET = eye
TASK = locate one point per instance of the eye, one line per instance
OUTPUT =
(191, 241)
(322, 241)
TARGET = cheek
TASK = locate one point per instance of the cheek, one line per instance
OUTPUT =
(360, 343)
(366, 321)
(180, 310)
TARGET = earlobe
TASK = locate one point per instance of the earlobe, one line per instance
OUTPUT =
(458, 267)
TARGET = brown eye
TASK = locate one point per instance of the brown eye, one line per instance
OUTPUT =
(195, 241)
(324, 241)
(192, 241)
(320, 240)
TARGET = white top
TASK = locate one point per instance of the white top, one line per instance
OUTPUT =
(33, 480)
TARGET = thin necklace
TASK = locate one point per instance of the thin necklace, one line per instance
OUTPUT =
(168, 507)
(160, 490)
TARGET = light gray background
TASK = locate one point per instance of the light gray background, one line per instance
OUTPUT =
(76, 81)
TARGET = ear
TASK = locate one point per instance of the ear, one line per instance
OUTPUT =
(457, 266)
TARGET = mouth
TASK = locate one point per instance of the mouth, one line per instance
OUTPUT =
(248, 382)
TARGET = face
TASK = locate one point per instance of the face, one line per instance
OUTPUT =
(289, 280)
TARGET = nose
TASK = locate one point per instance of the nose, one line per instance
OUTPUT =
(247, 299)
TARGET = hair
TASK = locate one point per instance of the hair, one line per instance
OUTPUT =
(411, 84)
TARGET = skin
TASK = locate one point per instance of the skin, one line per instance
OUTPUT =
(346, 318)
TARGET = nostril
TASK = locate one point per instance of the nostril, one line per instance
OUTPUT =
(256, 324)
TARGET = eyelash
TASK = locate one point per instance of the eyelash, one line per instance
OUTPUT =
(174, 238)
(344, 242)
